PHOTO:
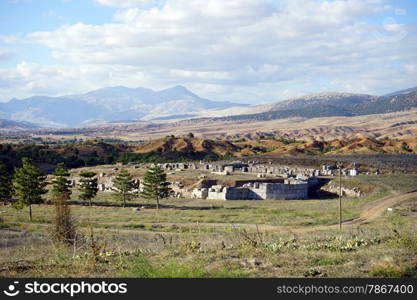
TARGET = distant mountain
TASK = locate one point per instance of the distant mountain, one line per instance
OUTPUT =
(126, 105)
(51, 112)
(110, 104)
(142, 103)
(315, 100)
(414, 89)
(329, 105)
(8, 124)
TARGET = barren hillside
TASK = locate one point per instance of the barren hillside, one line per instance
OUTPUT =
(401, 125)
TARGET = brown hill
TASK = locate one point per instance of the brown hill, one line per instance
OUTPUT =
(359, 145)
(198, 147)
(401, 125)
(175, 149)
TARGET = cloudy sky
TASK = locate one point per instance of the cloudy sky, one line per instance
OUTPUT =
(251, 51)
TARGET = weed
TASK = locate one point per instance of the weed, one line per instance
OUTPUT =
(282, 244)
(342, 245)
(142, 267)
(314, 273)
(327, 261)
(394, 271)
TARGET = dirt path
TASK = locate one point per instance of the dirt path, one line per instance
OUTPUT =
(371, 211)
(375, 209)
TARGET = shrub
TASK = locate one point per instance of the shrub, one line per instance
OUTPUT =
(394, 271)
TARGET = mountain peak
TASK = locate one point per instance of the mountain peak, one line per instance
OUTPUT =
(109, 104)
(177, 89)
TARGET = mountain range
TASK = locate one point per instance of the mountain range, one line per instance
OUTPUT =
(111, 104)
(329, 105)
(126, 105)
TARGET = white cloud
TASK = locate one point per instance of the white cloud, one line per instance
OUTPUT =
(234, 50)
(6, 54)
(9, 39)
(125, 3)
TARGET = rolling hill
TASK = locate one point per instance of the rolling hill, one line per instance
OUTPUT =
(198, 148)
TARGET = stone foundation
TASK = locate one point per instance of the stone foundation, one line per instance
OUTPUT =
(291, 190)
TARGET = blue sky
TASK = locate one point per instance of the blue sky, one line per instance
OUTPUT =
(26, 16)
(251, 51)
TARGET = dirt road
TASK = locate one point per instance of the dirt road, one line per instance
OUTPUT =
(371, 211)
(375, 209)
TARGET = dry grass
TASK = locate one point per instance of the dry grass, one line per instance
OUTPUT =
(199, 238)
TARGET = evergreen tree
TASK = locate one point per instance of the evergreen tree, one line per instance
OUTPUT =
(5, 184)
(155, 185)
(61, 187)
(124, 185)
(64, 229)
(88, 186)
(28, 186)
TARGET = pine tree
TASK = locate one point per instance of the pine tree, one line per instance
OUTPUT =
(64, 228)
(5, 184)
(28, 186)
(155, 185)
(88, 186)
(61, 185)
(123, 186)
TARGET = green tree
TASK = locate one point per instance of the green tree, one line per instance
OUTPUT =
(88, 186)
(61, 185)
(191, 135)
(5, 184)
(155, 185)
(123, 186)
(28, 186)
(64, 228)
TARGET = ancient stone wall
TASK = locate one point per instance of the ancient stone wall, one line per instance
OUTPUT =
(257, 191)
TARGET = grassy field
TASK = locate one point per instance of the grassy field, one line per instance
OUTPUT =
(208, 238)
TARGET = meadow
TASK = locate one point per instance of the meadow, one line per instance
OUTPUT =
(212, 238)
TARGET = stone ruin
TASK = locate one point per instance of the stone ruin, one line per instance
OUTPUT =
(291, 189)
(354, 192)
(296, 181)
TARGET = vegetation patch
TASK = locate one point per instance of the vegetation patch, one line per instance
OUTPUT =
(328, 261)
(339, 244)
(142, 267)
(394, 271)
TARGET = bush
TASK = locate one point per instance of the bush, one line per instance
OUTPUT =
(394, 271)
(64, 229)
(2, 224)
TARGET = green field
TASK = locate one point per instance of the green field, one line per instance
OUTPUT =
(208, 238)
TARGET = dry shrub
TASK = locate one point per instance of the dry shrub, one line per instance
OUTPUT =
(63, 229)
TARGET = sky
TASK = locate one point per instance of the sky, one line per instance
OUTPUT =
(248, 51)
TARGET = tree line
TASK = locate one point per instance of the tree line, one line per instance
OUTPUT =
(92, 154)
(27, 186)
